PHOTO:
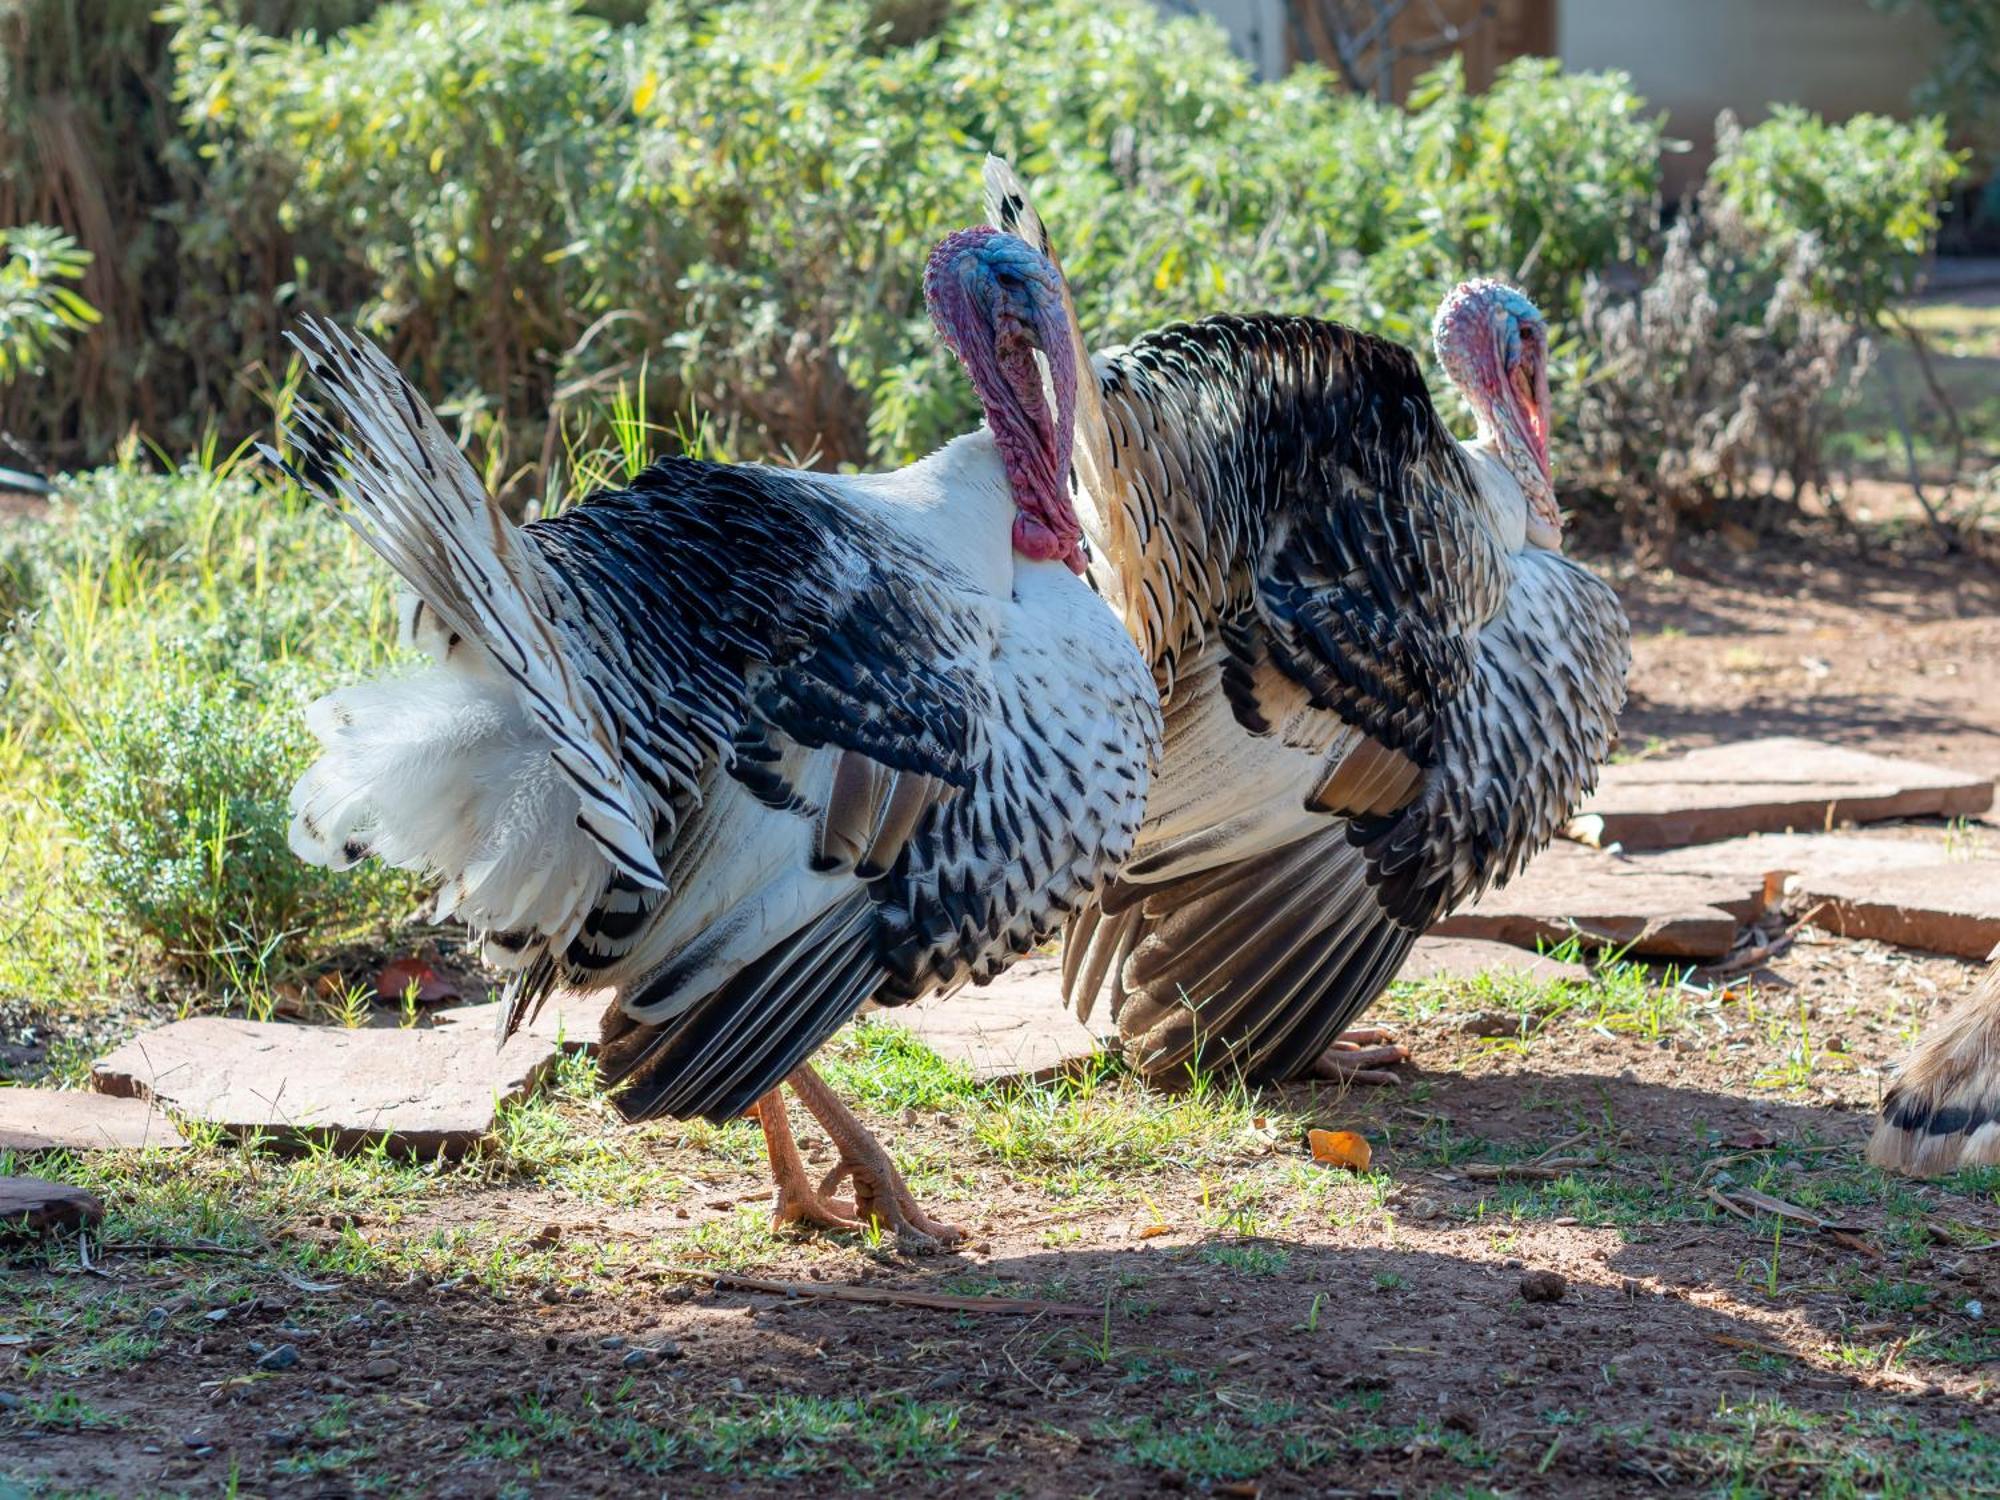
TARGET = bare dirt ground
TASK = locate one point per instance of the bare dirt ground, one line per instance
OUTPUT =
(1231, 1318)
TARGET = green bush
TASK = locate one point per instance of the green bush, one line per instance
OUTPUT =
(179, 812)
(151, 725)
(531, 201)
(1868, 190)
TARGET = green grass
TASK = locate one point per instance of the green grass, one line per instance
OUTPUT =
(777, 1436)
(1767, 1447)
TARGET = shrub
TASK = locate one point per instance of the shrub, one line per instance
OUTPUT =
(1717, 370)
(530, 196)
(179, 811)
(150, 724)
(1868, 191)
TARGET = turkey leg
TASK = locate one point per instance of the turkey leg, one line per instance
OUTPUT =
(880, 1194)
(1363, 1055)
(797, 1200)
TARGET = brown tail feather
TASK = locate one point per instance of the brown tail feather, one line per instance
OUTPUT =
(1942, 1111)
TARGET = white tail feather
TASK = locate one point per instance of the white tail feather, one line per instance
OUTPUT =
(415, 499)
(445, 773)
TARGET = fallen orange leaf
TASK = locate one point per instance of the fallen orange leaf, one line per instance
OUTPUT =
(1152, 1231)
(1340, 1148)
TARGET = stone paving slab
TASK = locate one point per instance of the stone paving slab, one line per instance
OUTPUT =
(1468, 958)
(427, 1091)
(1762, 856)
(1612, 902)
(1765, 786)
(1941, 908)
(575, 1022)
(74, 1120)
(1012, 1030)
(28, 1205)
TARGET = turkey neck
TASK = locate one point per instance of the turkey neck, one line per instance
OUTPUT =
(956, 504)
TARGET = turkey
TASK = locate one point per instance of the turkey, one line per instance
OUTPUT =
(1942, 1111)
(749, 747)
(1384, 686)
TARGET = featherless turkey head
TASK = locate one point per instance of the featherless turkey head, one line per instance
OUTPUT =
(1495, 347)
(999, 306)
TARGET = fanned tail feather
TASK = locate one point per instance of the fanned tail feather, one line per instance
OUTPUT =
(444, 773)
(1942, 1111)
(399, 481)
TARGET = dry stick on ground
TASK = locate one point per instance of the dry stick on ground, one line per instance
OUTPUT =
(842, 1292)
(1533, 1171)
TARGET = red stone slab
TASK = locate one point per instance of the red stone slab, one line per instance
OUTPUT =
(1941, 908)
(574, 1022)
(31, 1206)
(1611, 902)
(1472, 958)
(72, 1120)
(1014, 1029)
(425, 1090)
(1765, 786)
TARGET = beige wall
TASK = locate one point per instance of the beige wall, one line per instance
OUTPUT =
(1695, 57)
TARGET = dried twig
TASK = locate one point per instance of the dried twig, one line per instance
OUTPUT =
(161, 1247)
(1024, 1307)
(1541, 1170)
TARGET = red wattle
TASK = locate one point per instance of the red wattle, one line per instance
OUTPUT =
(1035, 539)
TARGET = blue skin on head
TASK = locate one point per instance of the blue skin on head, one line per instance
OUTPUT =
(997, 301)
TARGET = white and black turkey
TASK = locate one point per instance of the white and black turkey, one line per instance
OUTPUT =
(1384, 686)
(1942, 1109)
(750, 747)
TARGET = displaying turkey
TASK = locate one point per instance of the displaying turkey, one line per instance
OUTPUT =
(749, 746)
(1384, 686)
(1942, 1110)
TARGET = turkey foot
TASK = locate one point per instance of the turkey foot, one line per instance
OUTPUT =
(1363, 1055)
(797, 1201)
(881, 1196)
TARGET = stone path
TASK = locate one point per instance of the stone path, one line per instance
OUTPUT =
(31, 1206)
(1437, 957)
(1952, 907)
(426, 1091)
(73, 1120)
(1612, 902)
(576, 1024)
(1012, 1030)
(1766, 786)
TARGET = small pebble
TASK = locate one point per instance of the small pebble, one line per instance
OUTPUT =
(10, 1402)
(381, 1369)
(216, 1315)
(1975, 1308)
(638, 1359)
(613, 1341)
(1542, 1286)
(156, 1317)
(281, 1358)
(380, 1308)
(667, 1349)
(282, 1437)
